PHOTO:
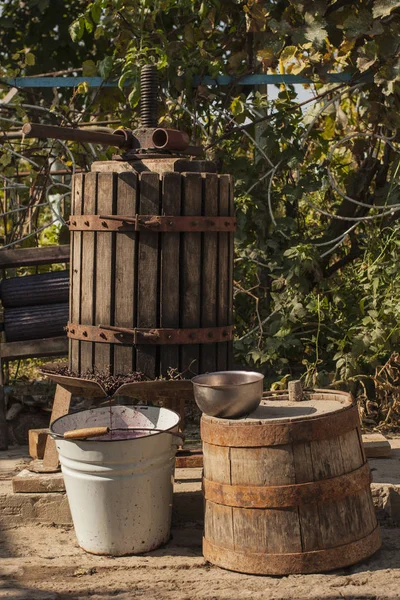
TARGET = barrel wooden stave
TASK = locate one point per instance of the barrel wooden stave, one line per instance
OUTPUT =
(317, 535)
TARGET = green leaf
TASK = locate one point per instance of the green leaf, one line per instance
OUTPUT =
(134, 96)
(288, 54)
(89, 68)
(357, 24)
(29, 59)
(237, 106)
(105, 66)
(6, 159)
(315, 31)
(383, 8)
(76, 29)
(95, 12)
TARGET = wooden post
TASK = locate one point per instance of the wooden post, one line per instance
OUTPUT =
(61, 404)
(295, 391)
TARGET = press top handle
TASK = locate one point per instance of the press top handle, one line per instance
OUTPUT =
(295, 390)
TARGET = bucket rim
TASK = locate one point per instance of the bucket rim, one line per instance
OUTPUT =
(58, 436)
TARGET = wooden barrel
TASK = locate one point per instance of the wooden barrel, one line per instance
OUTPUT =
(151, 269)
(287, 490)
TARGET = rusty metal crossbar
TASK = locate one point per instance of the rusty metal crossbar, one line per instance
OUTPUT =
(156, 223)
(111, 334)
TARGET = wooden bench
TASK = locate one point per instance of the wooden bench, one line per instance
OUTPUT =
(38, 348)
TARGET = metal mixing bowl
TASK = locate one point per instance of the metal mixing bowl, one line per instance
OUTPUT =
(228, 394)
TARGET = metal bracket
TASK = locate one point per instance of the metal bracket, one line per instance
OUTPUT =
(156, 223)
(110, 334)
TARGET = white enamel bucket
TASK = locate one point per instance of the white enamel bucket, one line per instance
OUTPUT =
(119, 486)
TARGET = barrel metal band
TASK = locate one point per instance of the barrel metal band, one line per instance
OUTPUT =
(155, 223)
(285, 496)
(258, 434)
(295, 562)
(109, 334)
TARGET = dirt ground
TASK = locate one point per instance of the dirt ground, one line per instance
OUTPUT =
(45, 563)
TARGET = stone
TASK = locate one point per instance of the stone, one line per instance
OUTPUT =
(28, 482)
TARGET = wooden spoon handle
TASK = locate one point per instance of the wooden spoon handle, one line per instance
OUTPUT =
(78, 434)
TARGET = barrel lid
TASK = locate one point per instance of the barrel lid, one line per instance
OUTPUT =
(321, 414)
(275, 407)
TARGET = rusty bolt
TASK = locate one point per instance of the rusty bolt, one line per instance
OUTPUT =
(84, 333)
(192, 336)
(74, 223)
(226, 223)
(193, 223)
(103, 335)
(225, 333)
(210, 335)
(169, 337)
(104, 223)
(170, 223)
(87, 223)
(72, 331)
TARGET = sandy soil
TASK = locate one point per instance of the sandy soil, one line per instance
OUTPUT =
(45, 563)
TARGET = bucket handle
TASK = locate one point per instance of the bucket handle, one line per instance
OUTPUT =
(80, 434)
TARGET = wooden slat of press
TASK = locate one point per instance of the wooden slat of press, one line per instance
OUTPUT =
(231, 254)
(170, 246)
(125, 271)
(223, 272)
(191, 271)
(77, 202)
(88, 269)
(208, 352)
(148, 274)
(169, 291)
(105, 270)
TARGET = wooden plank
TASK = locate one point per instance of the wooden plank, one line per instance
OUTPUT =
(308, 514)
(351, 450)
(61, 404)
(170, 252)
(88, 270)
(169, 291)
(208, 352)
(105, 270)
(376, 445)
(29, 257)
(57, 346)
(216, 460)
(37, 442)
(218, 524)
(223, 272)
(191, 272)
(231, 254)
(3, 410)
(148, 274)
(262, 466)
(76, 271)
(125, 272)
(266, 530)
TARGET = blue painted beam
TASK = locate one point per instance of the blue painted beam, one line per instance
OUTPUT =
(96, 82)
